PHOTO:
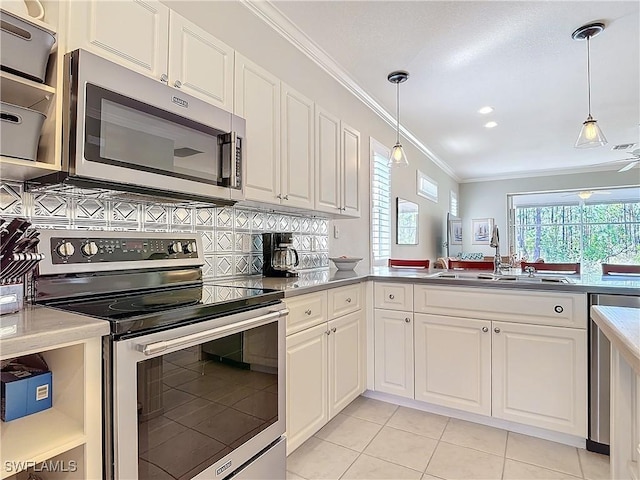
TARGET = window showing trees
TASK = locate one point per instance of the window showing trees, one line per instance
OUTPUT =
(591, 232)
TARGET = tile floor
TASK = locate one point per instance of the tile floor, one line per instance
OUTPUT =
(371, 439)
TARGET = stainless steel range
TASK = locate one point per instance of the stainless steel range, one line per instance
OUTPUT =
(193, 371)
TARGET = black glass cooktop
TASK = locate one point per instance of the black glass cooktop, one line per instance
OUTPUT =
(149, 311)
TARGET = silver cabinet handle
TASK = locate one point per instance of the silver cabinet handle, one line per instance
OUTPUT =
(497, 330)
(164, 78)
(328, 332)
(391, 296)
(333, 329)
(286, 197)
(349, 300)
(408, 320)
(485, 329)
(279, 196)
(558, 309)
(177, 84)
(187, 340)
(308, 312)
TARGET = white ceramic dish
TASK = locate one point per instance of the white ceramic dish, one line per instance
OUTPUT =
(345, 263)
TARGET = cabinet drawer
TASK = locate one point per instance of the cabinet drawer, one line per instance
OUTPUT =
(345, 300)
(520, 306)
(393, 296)
(306, 311)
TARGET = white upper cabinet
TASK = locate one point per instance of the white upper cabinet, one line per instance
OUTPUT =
(131, 33)
(145, 36)
(257, 100)
(337, 166)
(298, 149)
(199, 63)
(350, 171)
(327, 162)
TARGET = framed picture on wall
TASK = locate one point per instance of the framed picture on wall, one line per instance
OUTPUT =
(481, 230)
(456, 232)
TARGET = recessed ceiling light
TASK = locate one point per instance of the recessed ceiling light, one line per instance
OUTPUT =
(491, 124)
(485, 110)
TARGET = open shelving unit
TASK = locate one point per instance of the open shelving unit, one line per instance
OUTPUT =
(69, 433)
(43, 97)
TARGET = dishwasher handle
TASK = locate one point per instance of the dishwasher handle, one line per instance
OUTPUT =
(157, 347)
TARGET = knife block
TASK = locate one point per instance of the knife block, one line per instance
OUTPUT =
(11, 298)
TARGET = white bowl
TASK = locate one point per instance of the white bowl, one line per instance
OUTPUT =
(345, 263)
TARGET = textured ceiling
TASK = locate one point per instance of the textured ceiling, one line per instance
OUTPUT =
(515, 56)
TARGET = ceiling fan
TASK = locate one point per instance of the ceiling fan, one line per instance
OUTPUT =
(586, 194)
(635, 159)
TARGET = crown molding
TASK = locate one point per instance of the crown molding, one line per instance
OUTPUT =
(545, 173)
(273, 17)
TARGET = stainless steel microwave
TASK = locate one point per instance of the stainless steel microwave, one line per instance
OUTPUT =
(125, 131)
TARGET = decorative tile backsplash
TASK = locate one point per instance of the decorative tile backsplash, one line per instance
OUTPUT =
(231, 236)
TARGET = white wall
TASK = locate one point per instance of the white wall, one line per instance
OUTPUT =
(489, 199)
(235, 25)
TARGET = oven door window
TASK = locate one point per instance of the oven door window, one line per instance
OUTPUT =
(128, 133)
(198, 404)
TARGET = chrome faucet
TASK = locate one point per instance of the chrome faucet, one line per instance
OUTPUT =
(495, 243)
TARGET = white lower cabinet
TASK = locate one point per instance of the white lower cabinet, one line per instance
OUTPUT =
(525, 365)
(346, 361)
(393, 352)
(307, 374)
(325, 365)
(539, 376)
(453, 362)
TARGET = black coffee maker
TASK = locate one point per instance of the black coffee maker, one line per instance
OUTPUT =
(279, 256)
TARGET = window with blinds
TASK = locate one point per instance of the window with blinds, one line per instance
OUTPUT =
(380, 204)
(453, 203)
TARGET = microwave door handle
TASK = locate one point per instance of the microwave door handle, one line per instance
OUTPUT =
(297, 262)
(157, 347)
(229, 143)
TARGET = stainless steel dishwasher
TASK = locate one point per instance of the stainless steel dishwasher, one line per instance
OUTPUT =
(600, 374)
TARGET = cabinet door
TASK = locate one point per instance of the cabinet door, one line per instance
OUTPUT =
(350, 171)
(327, 162)
(298, 149)
(393, 340)
(346, 361)
(539, 376)
(199, 63)
(257, 100)
(453, 362)
(307, 396)
(133, 33)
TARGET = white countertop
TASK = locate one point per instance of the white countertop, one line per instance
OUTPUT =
(36, 328)
(621, 325)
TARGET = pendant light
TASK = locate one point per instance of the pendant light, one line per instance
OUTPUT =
(397, 157)
(590, 134)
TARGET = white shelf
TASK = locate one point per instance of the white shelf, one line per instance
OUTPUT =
(25, 93)
(38, 437)
(37, 23)
(19, 169)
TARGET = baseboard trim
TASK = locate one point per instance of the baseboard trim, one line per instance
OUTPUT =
(563, 438)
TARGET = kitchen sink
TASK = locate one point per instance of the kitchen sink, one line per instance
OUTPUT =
(491, 277)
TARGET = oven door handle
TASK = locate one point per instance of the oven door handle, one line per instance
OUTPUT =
(157, 347)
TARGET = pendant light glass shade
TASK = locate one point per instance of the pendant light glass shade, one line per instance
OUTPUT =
(590, 135)
(398, 157)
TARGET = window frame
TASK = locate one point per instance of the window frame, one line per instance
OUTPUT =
(424, 193)
(380, 254)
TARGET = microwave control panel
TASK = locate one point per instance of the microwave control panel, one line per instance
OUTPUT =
(93, 250)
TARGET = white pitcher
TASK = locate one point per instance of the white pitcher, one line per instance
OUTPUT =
(24, 8)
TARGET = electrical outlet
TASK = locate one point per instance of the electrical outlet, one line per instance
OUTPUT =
(336, 231)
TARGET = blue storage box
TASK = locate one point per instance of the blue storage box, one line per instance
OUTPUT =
(26, 387)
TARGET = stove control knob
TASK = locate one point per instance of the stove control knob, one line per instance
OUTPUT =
(65, 249)
(89, 249)
(175, 247)
(190, 247)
